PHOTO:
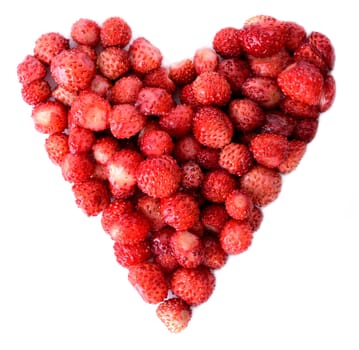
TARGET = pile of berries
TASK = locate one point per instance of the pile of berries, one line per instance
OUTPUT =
(178, 160)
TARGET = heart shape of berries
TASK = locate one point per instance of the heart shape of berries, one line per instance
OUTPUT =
(178, 160)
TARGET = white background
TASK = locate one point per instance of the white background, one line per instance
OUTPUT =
(295, 288)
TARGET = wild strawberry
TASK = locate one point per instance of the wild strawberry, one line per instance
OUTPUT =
(80, 139)
(180, 211)
(278, 123)
(115, 31)
(113, 213)
(178, 121)
(262, 38)
(159, 78)
(151, 124)
(192, 175)
(175, 314)
(299, 109)
(187, 97)
(90, 111)
(91, 196)
(100, 172)
(150, 207)
(49, 45)
(30, 69)
(295, 154)
(125, 121)
(306, 52)
(236, 72)
(100, 85)
(235, 158)
(88, 50)
(226, 42)
(159, 176)
(324, 47)
(121, 170)
(259, 19)
(263, 90)
(236, 236)
(328, 94)
(205, 60)
(186, 148)
(217, 184)
(154, 101)
(256, 218)
(132, 254)
(104, 148)
(156, 143)
(144, 56)
(294, 35)
(35, 92)
(239, 205)
(64, 96)
(113, 62)
(49, 117)
(72, 70)
(305, 129)
(57, 147)
(211, 89)
(262, 184)
(86, 32)
(302, 82)
(77, 167)
(214, 257)
(208, 158)
(245, 114)
(194, 286)
(125, 90)
(149, 281)
(213, 217)
(182, 72)
(212, 127)
(269, 150)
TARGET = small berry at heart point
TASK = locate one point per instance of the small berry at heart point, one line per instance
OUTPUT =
(178, 161)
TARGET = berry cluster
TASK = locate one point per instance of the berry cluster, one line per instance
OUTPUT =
(178, 160)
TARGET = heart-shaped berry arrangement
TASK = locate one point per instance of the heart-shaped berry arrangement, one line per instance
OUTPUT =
(178, 160)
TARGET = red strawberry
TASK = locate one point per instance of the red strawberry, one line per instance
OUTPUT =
(192, 175)
(235, 158)
(306, 52)
(269, 150)
(125, 90)
(159, 176)
(328, 94)
(132, 254)
(213, 217)
(80, 139)
(262, 184)
(255, 218)
(212, 127)
(299, 109)
(214, 257)
(35, 92)
(149, 281)
(57, 147)
(112, 214)
(72, 70)
(159, 78)
(156, 143)
(30, 69)
(194, 286)
(77, 167)
(186, 96)
(245, 114)
(115, 31)
(154, 101)
(178, 121)
(179, 211)
(182, 72)
(91, 196)
(239, 205)
(236, 71)
(295, 35)
(263, 90)
(121, 170)
(226, 42)
(150, 207)
(104, 148)
(100, 85)
(305, 129)
(211, 88)
(144, 56)
(90, 111)
(125, 121)
(113, 62)
(205, 60)
(324, 47)
(278, 123)
(86, 32)
(50, 117)
(217, 184)
(186, 148)
(236, 236)
(295, 154)
(175, 314)
(64, 96)
(208, 158)
(48, 45)
(302, 82)
(88, 50)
